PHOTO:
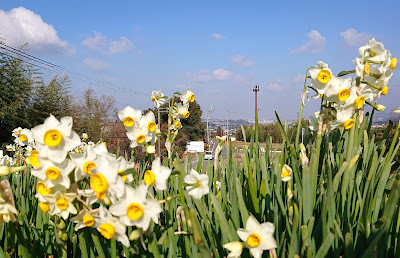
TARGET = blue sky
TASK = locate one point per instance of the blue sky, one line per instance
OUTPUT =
(219, 49)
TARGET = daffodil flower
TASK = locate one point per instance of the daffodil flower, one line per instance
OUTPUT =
(61, 204)
(123, 165)
(85, 163)
(129, 116)
(258, 237)
(158, 98)
(181, 110)
(197, 184)
(136, 209)
(16, 131)
(85, 218)
(139, 136)
(157, 176)
(321, 77)
(7, 212)
(373, 51)
(10, 147)
(148, 121)
(286, 173)
(235, 249)
(55, 138)
(176, 124)
(24, 138)
(54, 173)
(188, 96)
(111, 228)
(338, 90)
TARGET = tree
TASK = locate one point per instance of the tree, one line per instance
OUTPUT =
(53, 98)
(219, 131)
(16, 82)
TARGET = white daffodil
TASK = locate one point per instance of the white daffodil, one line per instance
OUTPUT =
(85, 136)
(55, 138)
(139, 136)
(43, 189)
(10, 147)
(85, 218)
(321, 77)
(338, 90)
(176, 124)
(104, 179)
(148, 121)
(129, 116)
(24, 138)
(373, 51)
(197, 184)
(235, 249)
(286, 173)
(188, 96)
(90, 195)
(85, 162)
(16, 132)
(135, 209)
(61, 204)
(397, 111)
(111, 228)
(181, 110)
(7, 212)
(157, 176)
(258, 237)
(158, 98)
(54, 173)
(218, 185)
(344, 118)
(123, 165)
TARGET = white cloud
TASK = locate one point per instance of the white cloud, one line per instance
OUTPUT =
(20, 26)
(275, 85)
(222, 74)
(96, 65)
(299, 78)
(315, 43)
(100, 43)
(353, 38)
(200, 76)
(217, 36)
(239, 59)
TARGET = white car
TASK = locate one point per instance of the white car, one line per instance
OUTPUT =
(208, 155)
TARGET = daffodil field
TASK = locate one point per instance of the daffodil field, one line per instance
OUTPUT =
(334, 194)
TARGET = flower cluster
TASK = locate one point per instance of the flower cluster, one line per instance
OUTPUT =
(343, 97)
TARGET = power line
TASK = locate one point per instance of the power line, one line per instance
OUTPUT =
(78, 76)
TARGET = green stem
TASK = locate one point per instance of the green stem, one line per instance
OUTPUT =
(301, 112)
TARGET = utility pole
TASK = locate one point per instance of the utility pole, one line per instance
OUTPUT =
(209, 121)
(256, 89)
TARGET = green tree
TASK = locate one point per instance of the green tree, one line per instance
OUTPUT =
(16, 82)
(53, 98)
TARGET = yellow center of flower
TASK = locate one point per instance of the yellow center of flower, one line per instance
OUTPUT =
(33, 158)
(348, 124)
(42, 188)
(359, 102)
(52, 173)
(384, 91)
(44, 206)
(140, 138)
(153, 98)
(10, 149)
(107, 230)
(367, 68)
(324, 76)
(99, 183)
(23, 137)
(129, 121)
(124, 177)
(393, 64)
(191, 97)
(254, 240)
(100, 196)
(152, 126)
(88, 166)
(344, 94)
(62, 203)
(186, 114)
(134, 211)
(177, 124)
(372, 53)
(52, 138)
(149, 177)
(88, 220)
(285, 173)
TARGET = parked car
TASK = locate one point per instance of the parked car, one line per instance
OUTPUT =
(208, 155)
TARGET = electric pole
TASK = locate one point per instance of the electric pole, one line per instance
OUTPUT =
(159, 110)
(209, 121)
(256, 89)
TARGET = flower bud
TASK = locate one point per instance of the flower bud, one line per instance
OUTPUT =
(380, 107)
(64, 236)
(150, 149)
(134, 235)
(61, 225)
(4, 171)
